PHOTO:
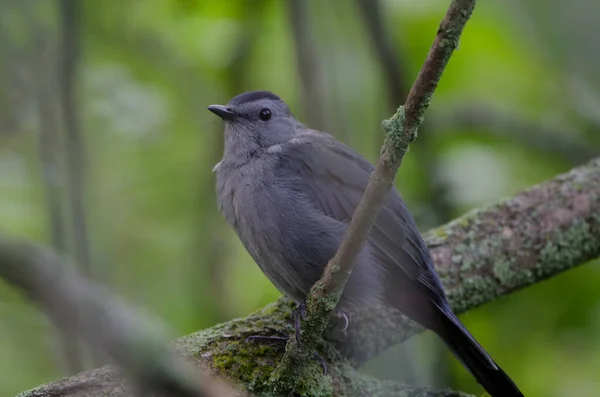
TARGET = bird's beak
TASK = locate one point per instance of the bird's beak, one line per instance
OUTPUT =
(223, 112)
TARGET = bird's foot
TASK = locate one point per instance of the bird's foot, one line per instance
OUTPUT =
(299, 313)
(284, 338)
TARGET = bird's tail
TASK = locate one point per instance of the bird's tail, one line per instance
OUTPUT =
(470, 353)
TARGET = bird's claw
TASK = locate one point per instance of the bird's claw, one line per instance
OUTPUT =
(344, 315)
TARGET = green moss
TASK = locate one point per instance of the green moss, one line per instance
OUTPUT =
(464, 221)
(394, 127)
(306, 378)
(330, 301)
(248, 362)
(439, 233)
(315, 384)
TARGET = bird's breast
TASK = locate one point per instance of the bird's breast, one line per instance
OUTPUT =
(247, 202)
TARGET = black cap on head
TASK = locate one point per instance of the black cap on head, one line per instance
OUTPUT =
(252, 96)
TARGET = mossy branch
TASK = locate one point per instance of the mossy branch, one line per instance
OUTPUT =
(401, 130)
(487, 253)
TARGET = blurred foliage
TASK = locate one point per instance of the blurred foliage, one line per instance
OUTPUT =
(148, 71)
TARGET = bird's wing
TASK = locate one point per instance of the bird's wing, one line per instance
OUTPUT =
(336, 177)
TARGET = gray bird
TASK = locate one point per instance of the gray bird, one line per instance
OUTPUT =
(289, 193)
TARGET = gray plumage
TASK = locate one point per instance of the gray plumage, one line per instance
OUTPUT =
(289, 193)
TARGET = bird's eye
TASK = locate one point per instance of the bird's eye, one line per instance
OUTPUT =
(265, 115)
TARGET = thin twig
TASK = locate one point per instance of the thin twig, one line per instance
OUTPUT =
(41, 62)
(401, 130)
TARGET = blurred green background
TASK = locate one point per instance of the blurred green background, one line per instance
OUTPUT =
(135, 145)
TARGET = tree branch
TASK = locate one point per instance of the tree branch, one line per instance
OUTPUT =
(133, 341)
(308, 64)
(53, 180)
(401, 131)
(70, 12)
(485, 254)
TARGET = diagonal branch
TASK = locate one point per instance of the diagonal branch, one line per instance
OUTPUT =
(84, 309)
(401, 131)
